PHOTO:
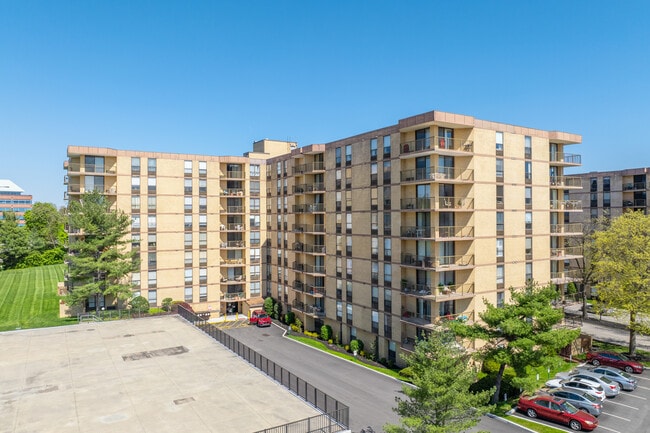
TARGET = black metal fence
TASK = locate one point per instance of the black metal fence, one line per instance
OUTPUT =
(335, 415)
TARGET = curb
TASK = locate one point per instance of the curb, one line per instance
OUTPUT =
(501, 419)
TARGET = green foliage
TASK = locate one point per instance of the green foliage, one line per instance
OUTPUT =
(290, 317)
(99, 258)
(519, 334)
(14, 241)
(621, 257)
(277, 311)
(571, 289)
(326, 332)
(139, 303)
(356, 345)
(167, 304)
(298, 324)
(441, 401)
(269, 303)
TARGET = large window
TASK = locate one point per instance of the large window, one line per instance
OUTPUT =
(386, 146)
(373, 148)
(348, 154)
(499, 168)
(188, 167)
(499, 248)
(499, 143)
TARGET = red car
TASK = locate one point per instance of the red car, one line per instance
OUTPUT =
(254, 315)
(263, 319)
(614, 359)
(557, 410)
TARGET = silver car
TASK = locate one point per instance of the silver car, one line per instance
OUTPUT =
(611, 388)
(581, 400)
(625, 380)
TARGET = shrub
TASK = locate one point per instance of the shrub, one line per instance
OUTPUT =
(268, 305)
(298, 324)
(571, 289)
(167, 304)
(277, 311)
(406, 372)
(290, 317)
(347, 347)
(330, 341)
(326, 332)
(356, 346)
(183, 304)
(156, 310)
(139, 303)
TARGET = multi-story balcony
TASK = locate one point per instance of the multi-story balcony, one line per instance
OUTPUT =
(573, 182)
(233, 262)
(635, 203)
(566, 205)
(237, 192)
(632, 186)
(309, 228)
(75, 167)
(438, 263)
(233, 279)
(309, 248)
(233, 296)
(565, 159)
(440, 174)
(437, 232)
(312, 167)
(564, 277)
(433, 322)
(566, 253)
(236, 227)
(437, 203)
(569, 229)
(233, 244)
(233, 209)
(309, 309)
(437, 144)
(234, 174)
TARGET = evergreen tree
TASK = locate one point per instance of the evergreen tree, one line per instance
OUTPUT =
(441, 400)
(520, 334)
(14, 242)
(99, 258)
(622, 266)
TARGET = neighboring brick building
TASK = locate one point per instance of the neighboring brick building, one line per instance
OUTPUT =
(13, 199)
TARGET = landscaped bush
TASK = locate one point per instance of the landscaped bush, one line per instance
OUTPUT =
(167, 304)
(356, 346)
(139, 303)
(290, 318)
(326, 332)
(156, 310)
(268, 305)
(406, 372)
(277, 311)
(185, 305)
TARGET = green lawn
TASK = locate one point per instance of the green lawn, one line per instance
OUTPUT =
(28, 298)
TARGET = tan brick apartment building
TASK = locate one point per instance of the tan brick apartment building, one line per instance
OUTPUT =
(382, 235)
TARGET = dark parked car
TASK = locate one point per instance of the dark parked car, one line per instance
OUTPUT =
(614, 359)
(627, 382)
(557, 410)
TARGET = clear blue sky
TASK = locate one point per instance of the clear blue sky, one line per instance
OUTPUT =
(211, 77)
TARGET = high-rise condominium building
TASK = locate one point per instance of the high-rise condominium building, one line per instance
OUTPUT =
(610, 193)
(13, 199)
(382, 236)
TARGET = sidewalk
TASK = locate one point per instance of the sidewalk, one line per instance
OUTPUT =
(607, 328)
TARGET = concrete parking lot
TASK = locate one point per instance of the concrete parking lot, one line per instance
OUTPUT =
(629, 412)
(146, 375)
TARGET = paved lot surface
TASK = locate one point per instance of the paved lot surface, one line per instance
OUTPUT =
(132, 376)
(370, 395)
(629, 412)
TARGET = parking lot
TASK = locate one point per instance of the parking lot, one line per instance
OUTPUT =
(629, 412)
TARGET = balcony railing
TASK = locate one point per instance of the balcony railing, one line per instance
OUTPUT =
(565, 276)
(426, 203)
(566, 181)
(235, 174)
(309, 187)
(639, 202)
(233, 192)
(437, 262)
(565, 158)
(447, 291)
(438, 144)
(437, 174)
(309, 228)
(431, 322)
(233, 297)
(437, 232)
(566, 251)
(568, 205)
(89, 168)
(309, 207)
(309, 167)
(634, 185)
(572, 228)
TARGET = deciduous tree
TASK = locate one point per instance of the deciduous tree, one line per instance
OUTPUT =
(99, 259)
(522, 333)
(622, 267)
(440, 400)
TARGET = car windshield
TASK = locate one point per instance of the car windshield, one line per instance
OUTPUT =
(262, 316)
(606, 380)
(590, 397)
(568, 407)
(624, 374)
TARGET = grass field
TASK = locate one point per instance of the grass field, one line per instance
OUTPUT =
(28, 298)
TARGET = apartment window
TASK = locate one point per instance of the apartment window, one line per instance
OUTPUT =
(254, 221)
(203, 239)
(606, 184)
(593, 184)
(278, 169)
(188, 276)
(254, 204)
(203, 204)
(375, 321)
(348, 246)
(188, 167)
(607, 200)
(348, 223)
(386, 146)
(387, 197)
(151, 203)
(593, 199)
(499, 196)
(388, 250)
(203, 293)
(255, 238)
(387, 223)
(187, 204)
(187, 186)
(500, 244)
(528, 151)
(348, 291)
(151, 165)
(187, 239)
(151, 185)
(203, 186)
(135, 222)
(337, 153)
(151, 240)
(203, 221)
(348, 154)
(254, 187)
(135, 203)
(348, 178)
(135, 279)
(349, 317)
(203, 258)
(188, 294)
(374, 272)
(529, 248)
(528, 170)
(152, 297)
(500, 275)
(500, 224)
(339, 310)
(338, 178)
(135, 165)
(388, 300)
(151, 222)
(499, 143)
(374, 248)
(203, 168)
(373, 174)
(135, 184)
(388, 274)
(135, 241)
(374, 223)
(151, 260)
(348, 269)
(254, 170)
(528, 220)
(373, 149)
(203, 275)
(348, 200)
(529, 271)
(188, 258)
(188, 222)
(337, 197)
(499, 167)
(501, 299)
(374, 297)
(593, 213)
(528, 191)
(152, 278)
(386, 169)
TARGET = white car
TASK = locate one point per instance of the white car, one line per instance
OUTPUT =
(611, 388)
(583, 385)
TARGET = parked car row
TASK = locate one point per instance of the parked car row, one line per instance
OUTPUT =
(575, 398)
